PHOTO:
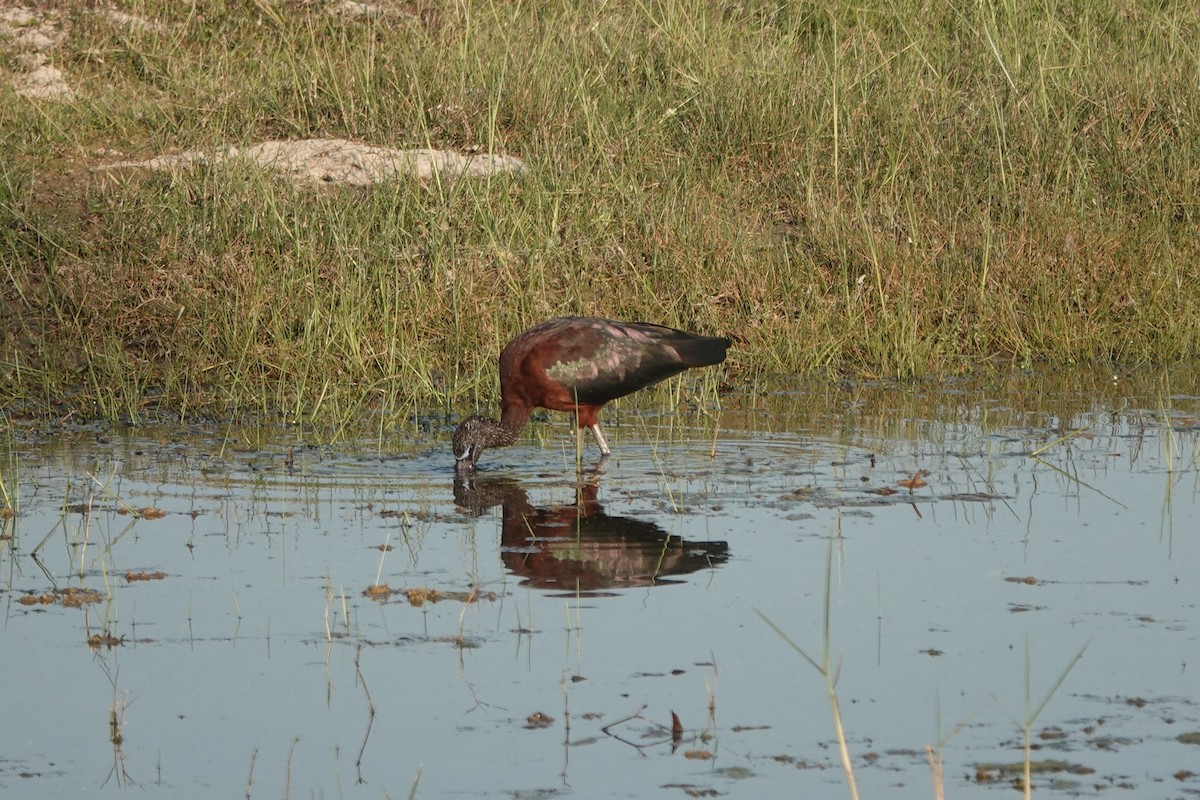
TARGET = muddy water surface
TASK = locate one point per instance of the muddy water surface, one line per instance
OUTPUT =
(220, 612)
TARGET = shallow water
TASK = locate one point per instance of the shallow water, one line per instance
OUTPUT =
(969, 538)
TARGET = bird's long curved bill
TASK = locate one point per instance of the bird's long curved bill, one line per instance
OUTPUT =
(465, 461)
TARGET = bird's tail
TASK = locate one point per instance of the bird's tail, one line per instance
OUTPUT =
(701, 351)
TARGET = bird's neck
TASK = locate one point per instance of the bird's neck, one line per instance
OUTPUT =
(513, 418)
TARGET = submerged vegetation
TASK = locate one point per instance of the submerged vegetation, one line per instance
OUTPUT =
(878, 189)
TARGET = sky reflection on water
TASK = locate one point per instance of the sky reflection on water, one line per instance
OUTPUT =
(976, 526)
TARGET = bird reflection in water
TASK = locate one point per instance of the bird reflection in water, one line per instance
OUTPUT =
(577, 548)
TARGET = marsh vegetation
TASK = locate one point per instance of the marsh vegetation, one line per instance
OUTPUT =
(879, 189)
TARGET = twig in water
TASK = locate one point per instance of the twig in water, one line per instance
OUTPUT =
(250, 777)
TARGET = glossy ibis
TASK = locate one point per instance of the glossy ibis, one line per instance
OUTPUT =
(579, 364)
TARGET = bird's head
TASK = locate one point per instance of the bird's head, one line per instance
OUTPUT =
(470, 438)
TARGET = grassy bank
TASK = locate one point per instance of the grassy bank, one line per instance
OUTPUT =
(880, 188)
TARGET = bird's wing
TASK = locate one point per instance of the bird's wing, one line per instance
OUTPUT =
(602, 361)
(590, 361)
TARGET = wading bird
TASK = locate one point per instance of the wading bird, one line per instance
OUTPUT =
(579, 364)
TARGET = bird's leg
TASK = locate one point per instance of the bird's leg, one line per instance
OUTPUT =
(600, 442)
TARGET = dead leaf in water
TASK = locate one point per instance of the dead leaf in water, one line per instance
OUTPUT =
(419, 597)
(1028, 580)
(130, 577)
(70, 598)
(998, 772)
(76, 598)
(147, 512)
(97, 640)
(377, 591)
(916, 481)
(698, 755)
(539, 720)
(691, 790)
(974, 497)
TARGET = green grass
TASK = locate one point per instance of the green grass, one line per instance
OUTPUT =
(870, 189)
